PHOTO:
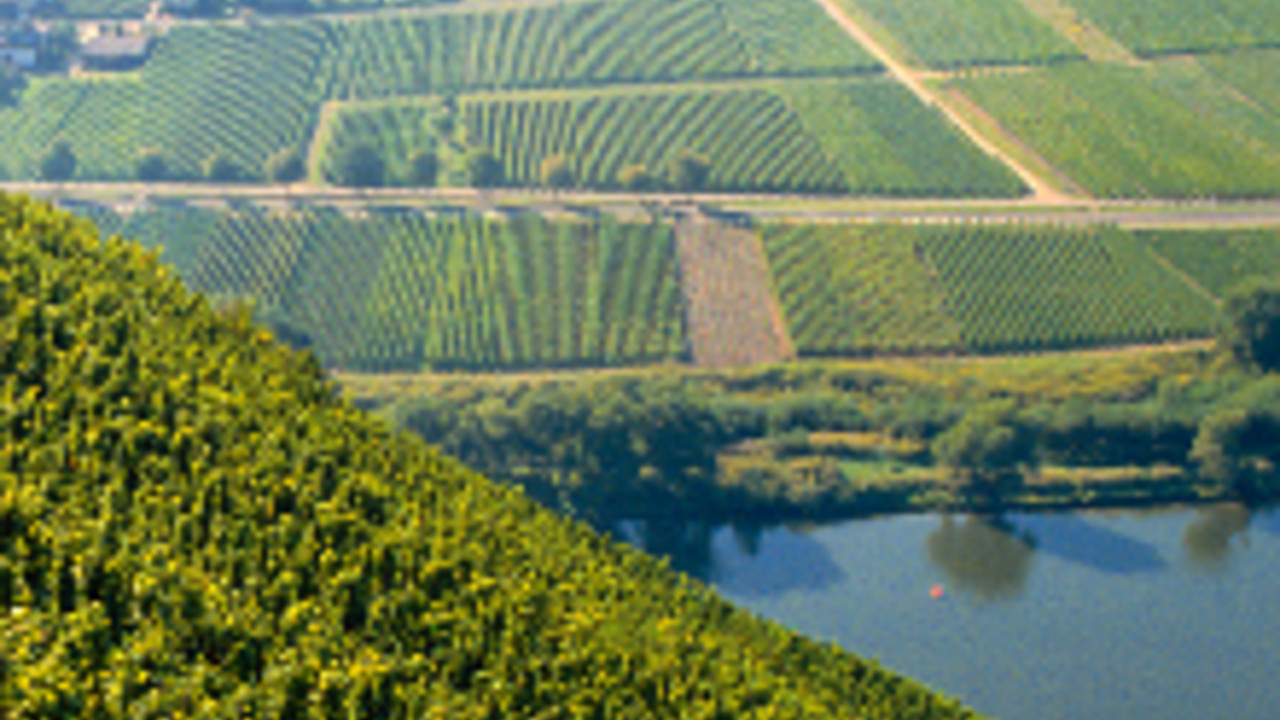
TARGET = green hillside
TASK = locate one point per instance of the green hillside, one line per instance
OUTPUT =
(192, 524)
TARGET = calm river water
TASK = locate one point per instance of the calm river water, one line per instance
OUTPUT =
(1170, 614)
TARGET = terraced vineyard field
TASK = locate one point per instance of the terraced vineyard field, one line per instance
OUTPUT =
(752, 138)
(1151, 27)
(399, 291)
(863, 136)
(1035, 288)
(960, 33)
(581, 43)
(888, 143)
(1219, 259)
(1171, 130)
(244, 92)
(850, 290)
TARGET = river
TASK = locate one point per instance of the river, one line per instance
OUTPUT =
(1168, 614)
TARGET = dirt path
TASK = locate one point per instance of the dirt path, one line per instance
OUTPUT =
(1042, 191)
(319, 136)
(733, 314)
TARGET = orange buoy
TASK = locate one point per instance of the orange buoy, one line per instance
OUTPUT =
(936, 592)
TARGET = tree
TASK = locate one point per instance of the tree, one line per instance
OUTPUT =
(424, 168)
(637, 178)
(690, 171)
(220, 168)
(556, 173)
(360, 166)
(149, 165)
(60, 43)
(1251, 332)
(59, 163)
(285, 166)
(483, 168)
(986, 448)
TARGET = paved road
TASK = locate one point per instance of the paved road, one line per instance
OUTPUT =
(816, 208)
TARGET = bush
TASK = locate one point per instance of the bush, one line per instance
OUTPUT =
(285, 166)
(484, 170)
(150, 166)
(556, 172)
(637, 178)
(690, 171)
(220, 168)
(59, 163)
(360, 166)
(424, 168)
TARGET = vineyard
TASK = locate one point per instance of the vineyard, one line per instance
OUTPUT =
(753, 140)
(587, 43)
(401, 291)
(242, 92)
(1040, 287)
(1153, 27)
(1255, 74)
(1219, 259)
(888, 143)
(852, 290)
(1171, 130)
(960, 33)
(194, 524)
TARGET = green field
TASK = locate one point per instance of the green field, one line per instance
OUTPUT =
(962, 33)
(404, 291)
(752, 138)
(1041, 287)
(850, 290)
(863, 136)
(1219, 260)
(1255, 74)
(244, 92)
(857, 290)
(1152, 27)
(1171, 130)
(588, 43)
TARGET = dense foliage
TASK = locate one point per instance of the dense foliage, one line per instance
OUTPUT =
(960, 33)
(1164, 130)
(192, 524)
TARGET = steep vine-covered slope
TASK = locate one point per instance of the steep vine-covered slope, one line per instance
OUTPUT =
(194, 525)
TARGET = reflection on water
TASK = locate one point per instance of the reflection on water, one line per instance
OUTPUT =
(1207, 539)
(985, 557)
(1077, 539)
